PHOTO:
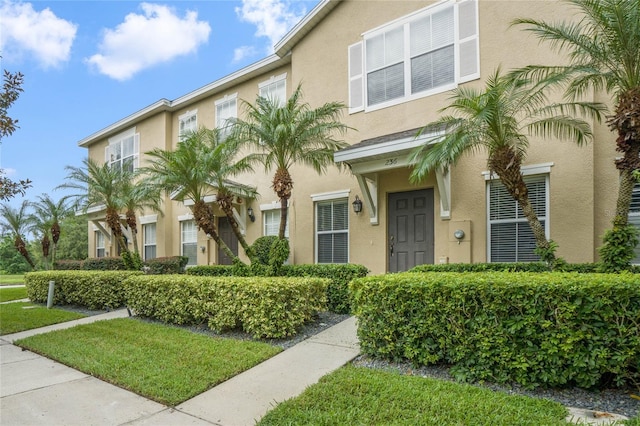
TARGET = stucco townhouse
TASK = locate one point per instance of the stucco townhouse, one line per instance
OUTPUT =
(392, 63)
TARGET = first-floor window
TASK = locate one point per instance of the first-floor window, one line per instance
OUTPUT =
(271, 221)
(100, 248)
(510, 236)
(634, 218)
(149, 236)
(332, 231)
(189, 240)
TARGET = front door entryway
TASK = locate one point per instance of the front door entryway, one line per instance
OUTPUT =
(230, 239)
(410, 229)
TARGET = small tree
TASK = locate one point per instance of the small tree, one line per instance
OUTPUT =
(288, 134)
(18, 222)
(498, 120)
(49, 213)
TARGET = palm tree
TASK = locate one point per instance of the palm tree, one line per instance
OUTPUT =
(603, 54)
(499, 119)
(288, 134)
(46, 209)
(99, 186)
(136, 197)
(199, 162)
(17, 221)
(41, 227)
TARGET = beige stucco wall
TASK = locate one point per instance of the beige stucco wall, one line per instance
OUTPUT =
(582, 182)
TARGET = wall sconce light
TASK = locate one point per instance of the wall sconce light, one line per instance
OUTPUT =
(357, 205)
(251, 215)
(458, 234)
(202, 248)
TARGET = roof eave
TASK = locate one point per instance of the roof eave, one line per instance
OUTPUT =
(302, 28)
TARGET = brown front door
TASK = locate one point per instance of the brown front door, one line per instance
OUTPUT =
(230, 239)
(410, 229)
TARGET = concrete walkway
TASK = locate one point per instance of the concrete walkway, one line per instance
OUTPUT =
(35, 390)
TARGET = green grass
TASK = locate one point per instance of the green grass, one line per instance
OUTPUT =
(166, 364)
(13, 293)
(11, 279)
(20, 316)
(361, 396)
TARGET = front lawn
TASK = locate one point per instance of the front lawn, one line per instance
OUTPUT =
(13, 293)
(11, 279)
(20, 316)
(163, 363)
(361, 396)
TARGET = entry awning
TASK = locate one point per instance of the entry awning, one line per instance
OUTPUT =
(371, 156)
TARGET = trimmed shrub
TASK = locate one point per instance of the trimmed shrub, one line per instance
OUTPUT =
(551, 329)
(91, 289)
(583, 268)
(167, 265)
(104, 264)
(262, 246)
(340, 276)
(265, 307)
(68, 265)
(211, 270)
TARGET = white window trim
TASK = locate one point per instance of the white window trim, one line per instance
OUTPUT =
(152, 218)
(184, 217)
(315, 221)
(182, 242)
(118, 139)
(533, 169)
(225, 99)
(103, 247)
(362, 104)
(273, 79)
(334, 195)
(144, 237)
(547, 221)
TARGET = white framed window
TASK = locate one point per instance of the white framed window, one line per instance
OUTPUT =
(332, 231)
(100, 246)
(421, 54)
(149, 241)
(634, 218)
(226, 108)
(189, 241)
(187, 122)
(274, 88)
(271, 222)
(123, 151)
(510, 238)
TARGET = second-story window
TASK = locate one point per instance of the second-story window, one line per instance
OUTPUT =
(418, 55)
(275, 88)
(124, 150)
(226, 109)
(188, 122)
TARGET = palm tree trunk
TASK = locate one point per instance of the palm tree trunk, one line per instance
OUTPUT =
(225, 203)
(112, 218)
(623, 204)
(22, 249)
(203, 214)
(55, 236)
(537, 228)
(133, 227)
(282, 186)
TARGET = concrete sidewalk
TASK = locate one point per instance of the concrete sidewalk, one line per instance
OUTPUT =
(35, 390)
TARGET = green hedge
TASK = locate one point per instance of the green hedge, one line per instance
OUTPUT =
(585, 268)
(271, 307)
(337, 290)
(548, 330)
(91, 289)
(68, 265)
(167, 265)
(104, 264)
(339, 274)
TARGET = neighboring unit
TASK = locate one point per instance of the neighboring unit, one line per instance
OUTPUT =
(392, 63)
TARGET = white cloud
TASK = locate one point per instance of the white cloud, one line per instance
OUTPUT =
(142, 41)
(243, 52)
(40, 33)
(273, 18)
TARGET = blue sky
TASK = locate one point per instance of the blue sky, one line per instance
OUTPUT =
(87, 64)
